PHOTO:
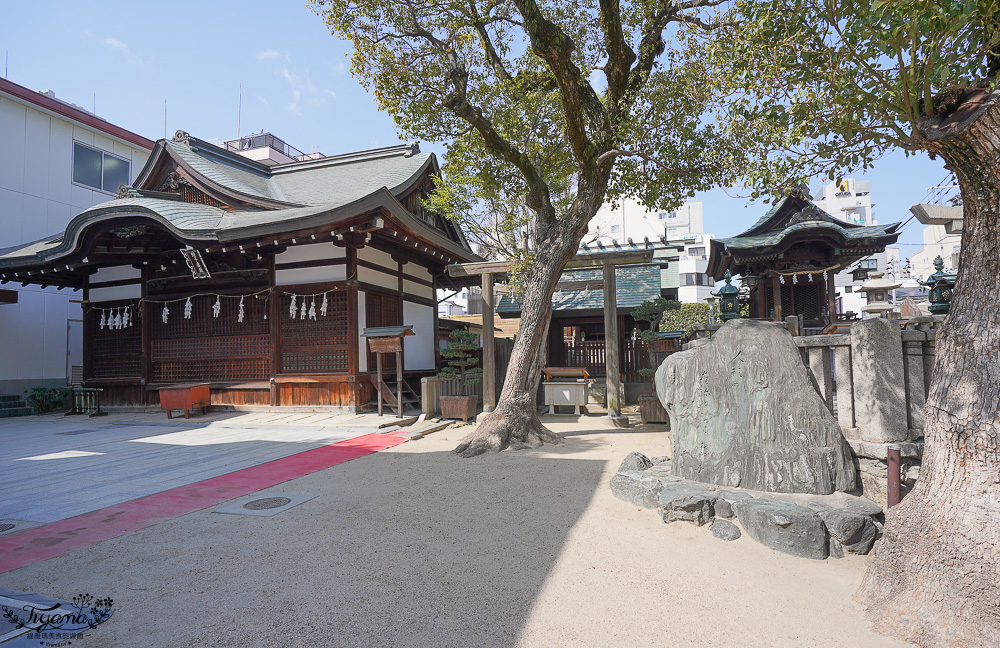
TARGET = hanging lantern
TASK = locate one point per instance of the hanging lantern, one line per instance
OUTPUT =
(750, 281)
(729, 299)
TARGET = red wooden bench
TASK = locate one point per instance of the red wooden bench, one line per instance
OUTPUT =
(185, 397)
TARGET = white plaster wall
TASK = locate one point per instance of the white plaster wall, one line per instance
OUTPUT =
(133, 291)
(420, 290)
(362, 342)
(311, 252)
(377, 256)
(115, 273)
(38, 199)
(419, 348)
(378, 278)
(310, 275)
(417, 270)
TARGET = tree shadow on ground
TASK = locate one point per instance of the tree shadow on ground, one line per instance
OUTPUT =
(403, 548)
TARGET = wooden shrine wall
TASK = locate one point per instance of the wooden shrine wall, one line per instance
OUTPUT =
(209, 348)
(113, 353)
(312, 342)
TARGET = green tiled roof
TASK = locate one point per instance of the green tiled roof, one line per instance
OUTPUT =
(635, 284)
(849, 234)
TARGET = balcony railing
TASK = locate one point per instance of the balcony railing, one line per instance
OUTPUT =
(263, 140)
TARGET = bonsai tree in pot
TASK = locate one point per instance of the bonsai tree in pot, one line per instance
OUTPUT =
(461, 366)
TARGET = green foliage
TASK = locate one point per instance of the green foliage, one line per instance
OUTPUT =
(651, 311)
(646, 372)
(685, 317)
(461, 359)
(828, 86)
(46, 399)
(541, 104)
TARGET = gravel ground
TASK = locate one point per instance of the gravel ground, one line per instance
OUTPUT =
(413, 546)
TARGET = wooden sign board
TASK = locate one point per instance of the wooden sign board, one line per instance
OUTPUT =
(385, 344)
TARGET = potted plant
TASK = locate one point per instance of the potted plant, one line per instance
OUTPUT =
(462, 367)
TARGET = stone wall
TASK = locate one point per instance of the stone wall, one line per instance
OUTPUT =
(874, 380)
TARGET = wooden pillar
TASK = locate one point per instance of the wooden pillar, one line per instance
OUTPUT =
(489, 347)
(611, 341)
(776, 287)
(760, 295)
(399, 381)
(831, 296)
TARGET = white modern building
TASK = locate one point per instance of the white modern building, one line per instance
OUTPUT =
(627, 218)
(58, 160)
(682, 230)
(849, 200)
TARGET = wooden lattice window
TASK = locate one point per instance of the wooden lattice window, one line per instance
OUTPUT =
(807, 301)
(193, 195)
(314, 345)
(205, 348)
(114, 353)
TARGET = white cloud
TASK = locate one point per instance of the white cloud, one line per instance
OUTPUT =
(293, 105)
(114, 43)
(340, 68)
(269, 54)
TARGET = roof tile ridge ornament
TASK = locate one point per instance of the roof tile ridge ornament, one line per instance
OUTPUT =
(127, 191)
(414, 149)
(182, 137)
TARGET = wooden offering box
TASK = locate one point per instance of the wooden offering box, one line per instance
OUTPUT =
(185, 397)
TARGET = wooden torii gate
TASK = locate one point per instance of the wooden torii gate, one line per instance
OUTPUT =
(607, 260)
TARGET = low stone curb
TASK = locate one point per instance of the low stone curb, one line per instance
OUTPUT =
(808, 526)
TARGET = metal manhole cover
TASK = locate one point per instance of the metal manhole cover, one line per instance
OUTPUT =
(266, 503)
(6, 527)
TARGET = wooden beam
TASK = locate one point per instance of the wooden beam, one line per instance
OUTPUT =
(489, 347)
(611, 341)
(585, 260)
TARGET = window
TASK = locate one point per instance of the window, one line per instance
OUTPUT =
(663, 215)
(849, 289)
(695, 279)
(99, 170)
(696, 251)
(615, 229)
(869, 264)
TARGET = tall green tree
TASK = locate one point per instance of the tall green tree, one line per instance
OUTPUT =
(829, 84)
(548, 108)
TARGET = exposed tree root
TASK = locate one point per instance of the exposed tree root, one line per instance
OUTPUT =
(514, 424)
(935, 581)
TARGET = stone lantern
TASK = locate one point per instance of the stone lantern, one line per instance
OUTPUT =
(729, 299)
(876, 290)
(941, 286)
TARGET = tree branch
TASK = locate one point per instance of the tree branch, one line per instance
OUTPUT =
(607, 155)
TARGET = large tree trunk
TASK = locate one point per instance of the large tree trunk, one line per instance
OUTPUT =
(515, 423)
(934, 578)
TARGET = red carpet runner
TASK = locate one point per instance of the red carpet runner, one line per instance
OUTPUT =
(40, 543)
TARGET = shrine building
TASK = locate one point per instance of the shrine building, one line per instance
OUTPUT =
(254, 268)
(788, 259)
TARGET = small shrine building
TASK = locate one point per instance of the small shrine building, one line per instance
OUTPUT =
(254, 268)
(788, 259)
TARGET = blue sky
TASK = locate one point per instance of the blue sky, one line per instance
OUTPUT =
(127, 58)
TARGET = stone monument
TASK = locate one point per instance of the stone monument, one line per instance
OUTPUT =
(744, 412)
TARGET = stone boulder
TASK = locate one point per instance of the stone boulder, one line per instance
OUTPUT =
(638, 488)
(687, 502)
(744, 412)
(783, 526)
(635, 461)
(854, 531)
(725, 530)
